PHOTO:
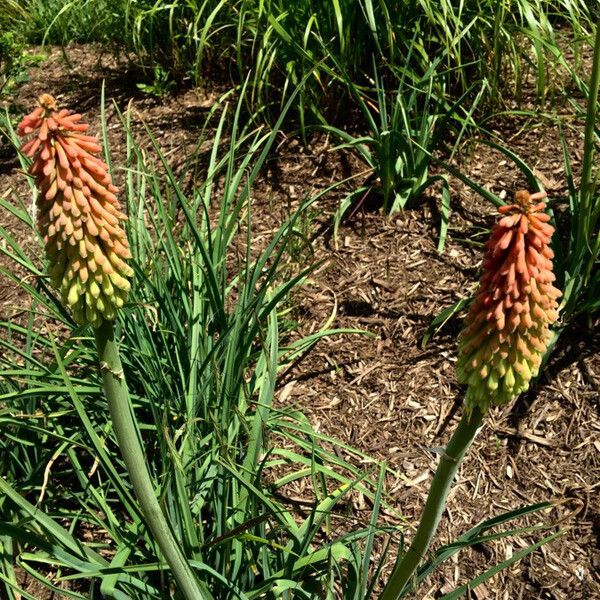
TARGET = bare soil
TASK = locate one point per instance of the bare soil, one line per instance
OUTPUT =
(386, 394)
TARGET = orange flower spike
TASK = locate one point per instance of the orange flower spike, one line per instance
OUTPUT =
(79, 215)
(507, 329)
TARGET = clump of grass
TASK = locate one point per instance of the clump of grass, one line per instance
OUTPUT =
(580, 254)
(404, 130)
(74, 21)
(485, 40)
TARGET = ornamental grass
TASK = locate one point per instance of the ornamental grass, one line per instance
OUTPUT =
(79, 216)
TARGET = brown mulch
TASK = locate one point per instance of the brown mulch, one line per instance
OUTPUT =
(386, 394)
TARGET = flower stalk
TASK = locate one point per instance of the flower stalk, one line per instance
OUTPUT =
(450, 461)
(130, 443)
(505, 335)
(80, 220)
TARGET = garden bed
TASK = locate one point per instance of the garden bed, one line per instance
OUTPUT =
(385, 394)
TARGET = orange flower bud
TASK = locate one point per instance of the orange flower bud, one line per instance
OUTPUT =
(79, 215)
(507, 329)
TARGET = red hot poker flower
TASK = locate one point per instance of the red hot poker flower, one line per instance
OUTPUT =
(79, 215)
(507, 329)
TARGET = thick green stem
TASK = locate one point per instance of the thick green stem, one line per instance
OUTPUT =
(457, 447)
(130, 443)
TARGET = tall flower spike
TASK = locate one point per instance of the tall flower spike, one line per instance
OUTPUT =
(507, 329)
(79, 215)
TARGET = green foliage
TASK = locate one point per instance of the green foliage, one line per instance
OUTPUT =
(161, 85)
(482, 40)
(11, 59)
(12, 12)
(184, 38)
(64, 21)
(404, 130)
(282, 44)
(579, 255)
(307, 41)
(14, 61)
(498, 41)
(401, 139)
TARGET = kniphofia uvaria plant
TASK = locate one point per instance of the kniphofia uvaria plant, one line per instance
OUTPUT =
(81, 222)
(505, 336)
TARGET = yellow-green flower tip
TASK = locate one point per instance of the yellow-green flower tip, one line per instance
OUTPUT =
(79, 215)
(507, 329)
